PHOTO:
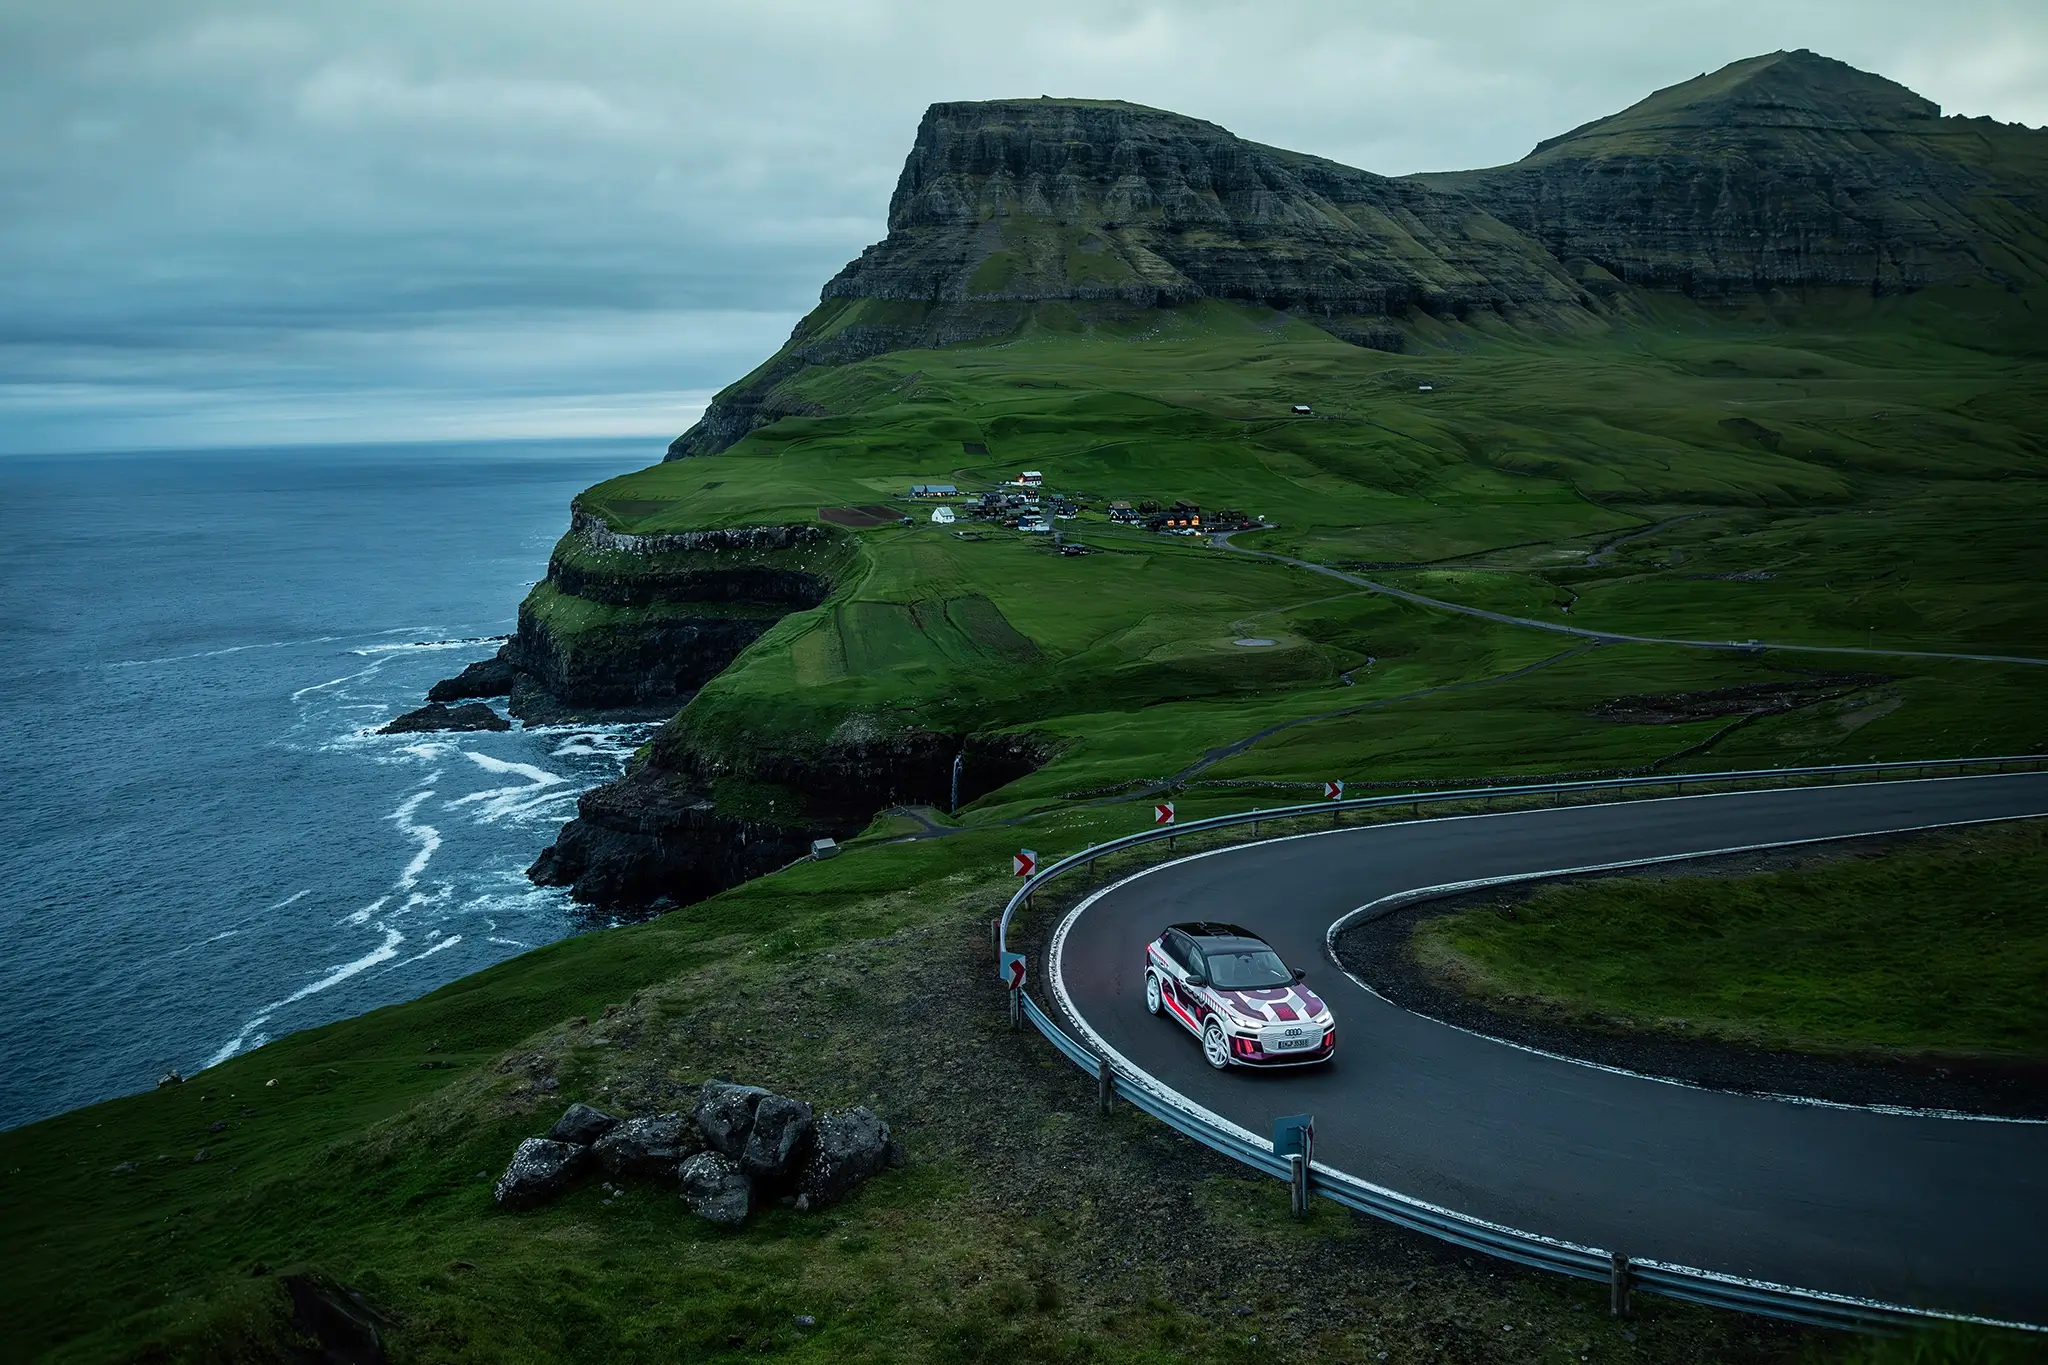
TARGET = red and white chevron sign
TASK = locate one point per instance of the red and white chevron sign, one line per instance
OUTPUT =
(1023, 863)
(1333, 791)
(1162, 813)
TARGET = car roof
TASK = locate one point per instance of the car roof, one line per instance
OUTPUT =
(1210, 931)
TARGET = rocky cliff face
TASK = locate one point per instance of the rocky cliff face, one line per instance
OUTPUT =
(659, 835)
(1786, 172)
(1011, 204)
(636, 624)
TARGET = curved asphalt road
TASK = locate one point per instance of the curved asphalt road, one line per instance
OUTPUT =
(1936, 1212)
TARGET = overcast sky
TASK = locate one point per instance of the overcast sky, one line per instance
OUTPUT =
(234, 223)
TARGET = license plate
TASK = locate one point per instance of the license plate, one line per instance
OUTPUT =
(1287, 1044)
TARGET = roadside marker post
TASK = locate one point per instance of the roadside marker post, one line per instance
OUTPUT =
(1162, 814)
(1333, 791)
(1105, 1085)
(1294, 1137)
(1011, 969)
(1618, 1286)
(1024, 862)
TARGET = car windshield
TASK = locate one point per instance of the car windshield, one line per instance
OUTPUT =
(1247, 969)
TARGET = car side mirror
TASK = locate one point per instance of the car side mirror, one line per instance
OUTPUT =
(1300, 974)
(1197, 979)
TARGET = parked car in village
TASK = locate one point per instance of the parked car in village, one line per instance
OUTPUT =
(1226, 986)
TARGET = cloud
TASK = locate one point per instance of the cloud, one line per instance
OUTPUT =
(212, 210)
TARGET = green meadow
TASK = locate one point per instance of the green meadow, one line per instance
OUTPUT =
(1938, 948)
(1869, 476)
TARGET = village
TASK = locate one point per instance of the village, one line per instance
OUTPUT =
(1024, 504)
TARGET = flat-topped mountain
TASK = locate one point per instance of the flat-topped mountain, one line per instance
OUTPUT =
(1109, 209)
(1775, 176)
(1790, 171)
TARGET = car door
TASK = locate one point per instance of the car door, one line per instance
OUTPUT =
(1180, 1002)
(1193, 996)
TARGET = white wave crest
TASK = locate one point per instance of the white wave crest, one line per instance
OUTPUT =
(448, 942)
(362, 916)
(429, 838)
(383, 952)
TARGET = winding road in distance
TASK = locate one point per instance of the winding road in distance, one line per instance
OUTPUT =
(1223, 538)
(1949, 1213)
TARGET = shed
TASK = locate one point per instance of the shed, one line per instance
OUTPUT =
(1302, 410)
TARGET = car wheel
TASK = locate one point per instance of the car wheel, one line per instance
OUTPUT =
(1153, 1003)
(1215, 1047)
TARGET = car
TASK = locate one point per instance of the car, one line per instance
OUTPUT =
(1229, 988)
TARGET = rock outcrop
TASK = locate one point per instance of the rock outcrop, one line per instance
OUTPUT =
(647, 1147)
(541, 1169)
(434, 716)
(1786, 172)
(1114, 208)
(725, 1115)
(492, 677)
(741, 1145)
(715, 1189)
(846, 1148)
(780, 1140)
(582, 1125)
(656, 835)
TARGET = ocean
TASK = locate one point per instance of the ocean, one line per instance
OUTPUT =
(207, 847)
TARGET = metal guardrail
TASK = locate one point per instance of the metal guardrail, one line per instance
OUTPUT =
(1622, 1274)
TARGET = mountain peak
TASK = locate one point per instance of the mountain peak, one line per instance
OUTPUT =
(1799, 89)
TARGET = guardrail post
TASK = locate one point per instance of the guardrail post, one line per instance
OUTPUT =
(995, 933)
(1105, 1085)
(1297, 1184)
(1618, 1287)
(1016, 1009)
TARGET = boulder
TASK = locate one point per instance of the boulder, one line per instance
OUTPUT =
(541, 1169)
(717, 1189)
(434, 716)
(582, 1125)
(846, 1148)
(781, 1139)
(725, 1115)
(647, 1147)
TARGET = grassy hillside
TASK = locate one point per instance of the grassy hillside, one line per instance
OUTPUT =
(1880, 472)
(1861, 481)
(1866, 954)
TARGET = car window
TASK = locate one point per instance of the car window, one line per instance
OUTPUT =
(1195, 962)
(1176, 946)
(1248, 969)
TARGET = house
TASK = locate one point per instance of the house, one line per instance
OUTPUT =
(1229, 519)
(1031, 478)
(1123, 514)
(943, 516)
(933, 490)
(1182, 516)
(1036, 524)
(1302, 410)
